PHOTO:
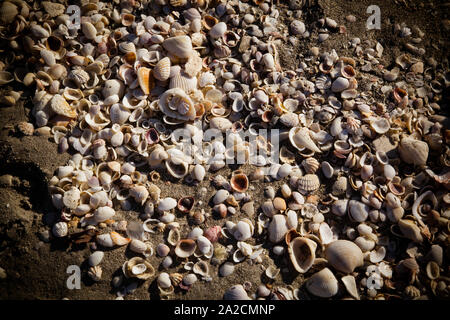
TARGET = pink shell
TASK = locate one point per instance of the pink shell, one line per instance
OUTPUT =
(213, 234)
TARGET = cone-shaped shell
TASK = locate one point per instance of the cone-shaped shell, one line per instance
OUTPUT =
(323, 284)
(302, 253)
(144, 79)
(300, 138)
(344, 256)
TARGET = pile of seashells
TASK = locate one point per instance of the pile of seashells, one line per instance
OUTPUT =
(363, 205)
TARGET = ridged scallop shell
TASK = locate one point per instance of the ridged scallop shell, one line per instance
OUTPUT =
(311, 165)
(182, 81)
(161, 71)
(344, 256)
(308, 183)
(302, 253)
(176, 104)
(323, 284)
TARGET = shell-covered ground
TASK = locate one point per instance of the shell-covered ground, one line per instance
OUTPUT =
(33, 263)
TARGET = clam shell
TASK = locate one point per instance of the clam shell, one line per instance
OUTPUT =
(340, 84)
(236, 292)
(185, 248)
(105, 240)
(220, 196)
(311, 165)
(183, 81)
(358, 211)
(164, 280)
(239, 182)
(138, 246)
(180, 46)
(410, 230)
(344, 255)
(60, 106)
(8, 12)
(226, 269)
(95, 258)
(167, 204)
(176, 104)
(323, 284)
(103, 213)
(350, 285)
(413, 151)
(277, 228)
(218, 30)
(302, 253)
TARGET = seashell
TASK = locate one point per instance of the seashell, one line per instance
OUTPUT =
(113, 87)
(239, 182)
(289, 119)
(180, 46)
(201, 268)
(138, 267)
(186, 204)
(279, 204)
(176, 104)
(236, 292)
(95, 258)
(167, 204)
(432, 270)
(60, 106)
(60, 229)
(139, 193)
(220, 123)
(344, 255)
(350, 285)
(88, 30)
(340, 84)
(162, 249)
(105, 240)
(277, 228)
(177, 168)
(413, 151)
(308, 183)
(302, 253)
(161, 71)
(218, 30)
(242, 231)
(322, 284)
(410, 230)
(300, 138)
(199, 172)
(189, 279)
(220, 196)
(311, 165)
(138, 246)
(380, 126)
(213, 233)
(8, 12)
(364, 244)
(183, 81)
(119, 240)
(435, 254)
(185, 248)
(95, 273)
(164, 280)
(358, 211)
(226, 269)
(144, 76)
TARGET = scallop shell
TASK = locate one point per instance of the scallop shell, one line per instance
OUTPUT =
(161, 71)
(183, 81)
(302, 253)
(300, 138)
(308, 183)
(311, 165)
(323, 284)
(344, 256)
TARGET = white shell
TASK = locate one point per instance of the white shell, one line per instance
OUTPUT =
(218, 30)
(323, 284)
(277, 228)
(103, 213)
(220, 196)
(167, 204)
(236, 292)
(302, 253)
(60, 229)
(95, 258)
(242, 231)
(358, 211)
(189, 279)
(300, 138)
(164, 280)
(226, 269)
(105, 240)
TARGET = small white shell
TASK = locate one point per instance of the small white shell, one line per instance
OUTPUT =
(60, 229)
(95, 258)
(220, 196)
(323, 284)
(277, 228)
(167, 204)
(226, 269)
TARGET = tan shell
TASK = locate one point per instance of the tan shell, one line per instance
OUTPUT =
(127, 268)
(410, 230)
(300, 138)
(308, 183)
(60, 106)
(323, 284)
(185, 248)
(144, 78)
(413, 151)
(161, 71)
(344, 256)
(183, 81)
(239, 182)
(8, 13)
(176, 104)
(302, 253)
(180, 46)
(350, 285)
(311, 165)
